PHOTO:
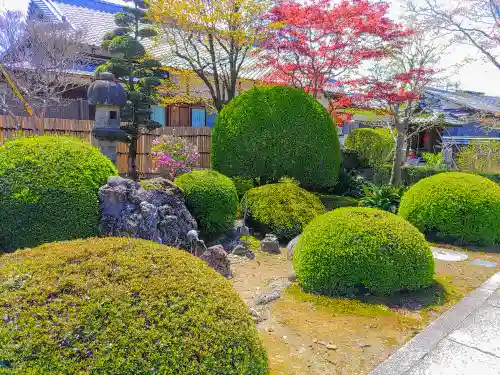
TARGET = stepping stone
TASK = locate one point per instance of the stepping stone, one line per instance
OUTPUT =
(483, 263)
(448, 255)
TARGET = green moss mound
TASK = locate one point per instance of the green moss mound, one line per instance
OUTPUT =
(351, 248)
(283, 209)
(374, 146)
(49, 190)
(121, 306)
(456, 206)
(271, 132)
(212, 199)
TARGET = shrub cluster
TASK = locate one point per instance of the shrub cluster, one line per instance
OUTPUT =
(480, 156)
(283, 209)
(211, 198)
(351, 248)
(121, 306)
(49, 190)
(374, 146)
(455, 205)
(271, 132)
(411, 174)
(174, 155)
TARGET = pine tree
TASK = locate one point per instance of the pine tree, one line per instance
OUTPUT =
(139, 73)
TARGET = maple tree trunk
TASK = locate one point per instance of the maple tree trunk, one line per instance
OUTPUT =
(132, 159)
(397, 160)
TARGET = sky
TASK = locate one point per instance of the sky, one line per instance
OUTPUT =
(476, 76)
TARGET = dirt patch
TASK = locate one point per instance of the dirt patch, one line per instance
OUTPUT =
(306, 334)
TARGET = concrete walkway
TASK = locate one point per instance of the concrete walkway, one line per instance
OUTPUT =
(463, 341)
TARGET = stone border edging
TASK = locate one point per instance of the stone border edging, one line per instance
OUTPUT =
(414, 350)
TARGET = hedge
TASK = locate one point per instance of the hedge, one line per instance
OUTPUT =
(274, 131)
(349, 249)
(49, 190)
(374, 146)
(283, 209)
(412, 174)
(121, 306)
(455, 206)
(211, 198)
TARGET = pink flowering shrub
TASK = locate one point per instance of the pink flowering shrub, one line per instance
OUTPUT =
(174, 155)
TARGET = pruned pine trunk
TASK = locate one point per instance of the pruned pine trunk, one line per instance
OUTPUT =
(132, 160)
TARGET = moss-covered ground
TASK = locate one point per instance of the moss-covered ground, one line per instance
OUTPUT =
(307, 334)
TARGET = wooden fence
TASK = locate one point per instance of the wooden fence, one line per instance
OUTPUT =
(30, 126)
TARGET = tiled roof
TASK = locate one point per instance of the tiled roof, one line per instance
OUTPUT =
(96, 17)
(469, 99)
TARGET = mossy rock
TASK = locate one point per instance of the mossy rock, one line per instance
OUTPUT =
(350, 249)
(49, 190)
(121, 306)
(455, 206)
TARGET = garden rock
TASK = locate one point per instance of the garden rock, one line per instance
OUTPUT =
(217, 258)
(266, 298)
(230, 240)
(291, 247)
(158, 214)
(270, 244)
(239, 250)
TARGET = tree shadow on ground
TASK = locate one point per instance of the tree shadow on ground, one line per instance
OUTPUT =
(434, 295)
(364, 303)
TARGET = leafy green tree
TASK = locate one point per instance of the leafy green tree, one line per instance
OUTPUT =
(139, 73)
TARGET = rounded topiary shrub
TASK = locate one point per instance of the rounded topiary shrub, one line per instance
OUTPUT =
(374, 146)
(49, 190)
(351, 248)
(271, 132)
(121, 306)
(212, 199)
(283, 209)
(455, 206)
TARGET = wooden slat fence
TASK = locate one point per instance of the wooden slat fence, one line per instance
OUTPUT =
(31, 126)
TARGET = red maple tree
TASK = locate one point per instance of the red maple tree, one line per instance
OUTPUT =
(396, 94)
(310, 45)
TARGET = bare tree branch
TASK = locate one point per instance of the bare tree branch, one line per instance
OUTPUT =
(474, 22)
(42, 59)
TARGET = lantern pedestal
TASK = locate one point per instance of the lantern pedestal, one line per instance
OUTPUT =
(108, 97)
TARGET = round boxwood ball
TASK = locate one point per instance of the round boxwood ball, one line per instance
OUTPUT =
(374, 146)
(271, 132)
(121, 306)
(283, 209)
(351, 248)
(453, 206)
(212, 199)
(49, 190)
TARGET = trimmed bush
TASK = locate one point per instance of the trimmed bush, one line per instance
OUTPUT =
(374, 146)
(411, 174)
(271, 132)
(212, 199)
(351, 248)
(49, 190)
(283, 209)
(455, 205)
(121, 306)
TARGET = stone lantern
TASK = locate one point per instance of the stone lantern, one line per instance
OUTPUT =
(108, 96)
